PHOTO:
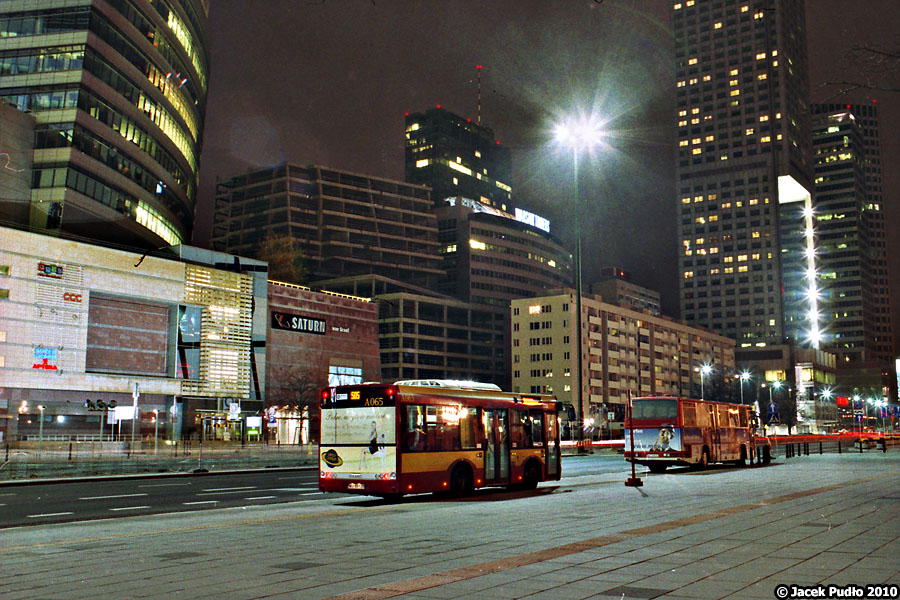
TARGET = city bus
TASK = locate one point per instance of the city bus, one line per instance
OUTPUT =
(681, 431)
(422, 436)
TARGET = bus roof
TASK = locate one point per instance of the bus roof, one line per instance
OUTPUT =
(450, 383)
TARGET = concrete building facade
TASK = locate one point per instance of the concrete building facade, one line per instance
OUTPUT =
(83, 328)
(623, 351)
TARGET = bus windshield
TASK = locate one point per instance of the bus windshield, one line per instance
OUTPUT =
(655, 408)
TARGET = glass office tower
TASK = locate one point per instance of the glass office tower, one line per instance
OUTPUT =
(118, 91)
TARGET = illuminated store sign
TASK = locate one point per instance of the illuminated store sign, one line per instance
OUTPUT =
(48, 270)
(45, 358)
(532, 219)
(289, 322)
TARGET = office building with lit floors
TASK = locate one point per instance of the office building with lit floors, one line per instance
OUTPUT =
(624, 350)
(852, 259)
(118, 91)
(89, 333)
(456, 157)
(345, 223)
(744, 178)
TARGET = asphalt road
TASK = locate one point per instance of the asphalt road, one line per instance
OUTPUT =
(104, 498)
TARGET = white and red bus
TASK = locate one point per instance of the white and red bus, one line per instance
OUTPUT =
(435, 436)
(680, 431)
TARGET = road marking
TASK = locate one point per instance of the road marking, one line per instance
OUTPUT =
(150, 485)
(295, 489)
(61, 514)
(229, 489)
(130, 508)
(253, 498)
(243, 491)
(202, 502)
(1, 495)
(111, 497)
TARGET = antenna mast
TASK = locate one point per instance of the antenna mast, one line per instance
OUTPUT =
(479, 93)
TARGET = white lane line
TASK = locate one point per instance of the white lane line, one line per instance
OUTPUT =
(253, 498)
(203, 502)
(295, 489)
(1, 495)
(130, 508)
(229, 489)
(111, 497)
(309, 493)
(220, 493)
(60, 514)
(152, 485)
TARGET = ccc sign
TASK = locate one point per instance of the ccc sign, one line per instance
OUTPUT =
(70, 297)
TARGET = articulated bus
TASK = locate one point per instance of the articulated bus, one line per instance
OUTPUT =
(681, 431)
(421, 436)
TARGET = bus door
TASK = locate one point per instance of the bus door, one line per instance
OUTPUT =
(552, 438)
(714, 434)
(496, 445)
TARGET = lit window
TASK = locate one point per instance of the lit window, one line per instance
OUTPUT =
(762, 76)
(688, 274)
(765, 139)
(477, 154)
(698, 198)
(749, 131)
(763, 118)
(755, 234)
(709, 138)
(745, 8)
(677, 6)
(754, 256)
(713, 218)
(753, 201)
(682, 123)
(760, 55)
(726, 205)
(742, 257)
(681, 83)
(692, 61)
(700, 220)
(733, 82)
(689, 3)
(682, 113)
(683, 143)
(735, 93)
(695, 111)
(696, 151)
(743, 269)
(695, 141)
(422, 163)
(729, 270)
(718, 25)
(707, 78)
(714, 250)
(692, 81)
(476, 245)
(733, 72)
(758, 15)
(694, 121)
(685, 200)
(728, 259)
(711, 196)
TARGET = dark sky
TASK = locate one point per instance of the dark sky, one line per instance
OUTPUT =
(328, 82)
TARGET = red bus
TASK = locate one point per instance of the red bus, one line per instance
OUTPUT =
(681, 431)
(435, 436)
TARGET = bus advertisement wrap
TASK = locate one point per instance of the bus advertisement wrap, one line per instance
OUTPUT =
(655, 439)
(360, 441)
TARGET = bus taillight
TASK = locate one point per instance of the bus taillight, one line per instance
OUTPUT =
(326, 394)
(391, 390)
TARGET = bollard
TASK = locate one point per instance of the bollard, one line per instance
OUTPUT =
(839, 446)
(884, 445)
(820, 447)
(70, 451)
(806, 448)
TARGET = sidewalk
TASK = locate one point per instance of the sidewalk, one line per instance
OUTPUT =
(721, 533)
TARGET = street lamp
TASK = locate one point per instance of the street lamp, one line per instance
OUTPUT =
(745, 376)
(704, 371)
(578, 134)
(41, 429)
(155, 430)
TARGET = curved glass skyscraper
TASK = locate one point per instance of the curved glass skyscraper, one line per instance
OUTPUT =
(118, 92)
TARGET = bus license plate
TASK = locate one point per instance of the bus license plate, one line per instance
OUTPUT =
(356, 486)
(654, 454)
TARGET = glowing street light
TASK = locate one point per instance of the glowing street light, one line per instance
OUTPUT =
(41, 428)
(582, 133)
(745, 377)
(704, 371)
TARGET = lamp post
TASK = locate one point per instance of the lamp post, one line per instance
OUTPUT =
(704, 371)
(578, 134)
(826, 398)
(745, 376)
(41, 429)
(155, 430)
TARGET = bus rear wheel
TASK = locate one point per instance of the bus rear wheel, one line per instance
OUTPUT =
(704, 460)
(742, 461)
(461, 481)
(530, 476)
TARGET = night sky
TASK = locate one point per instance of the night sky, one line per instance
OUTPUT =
(328, 82)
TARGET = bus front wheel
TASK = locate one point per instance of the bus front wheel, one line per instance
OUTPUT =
(657, 467)
(530, 476)
(461, 481)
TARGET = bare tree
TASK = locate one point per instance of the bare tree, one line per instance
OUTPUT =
(296, 383)
(285, 257)
(874, 68)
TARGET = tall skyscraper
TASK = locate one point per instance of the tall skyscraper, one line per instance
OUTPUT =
(744, 171)
(851, 229)
(456, 157)
(118, 89)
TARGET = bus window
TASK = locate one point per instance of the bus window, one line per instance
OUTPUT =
(689, 414)
(744, 415)
(537, 427)
(415, 428)
(468, 428)
(655, 408)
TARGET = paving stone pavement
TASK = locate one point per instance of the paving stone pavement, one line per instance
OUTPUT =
(721, 533)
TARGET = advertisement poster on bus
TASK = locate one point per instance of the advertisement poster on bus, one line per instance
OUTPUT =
(359, 441)
(654, 439)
